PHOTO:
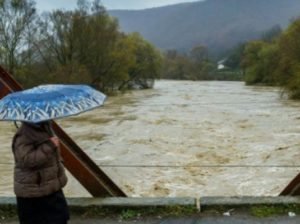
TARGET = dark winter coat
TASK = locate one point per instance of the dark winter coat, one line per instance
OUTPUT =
(38, 164)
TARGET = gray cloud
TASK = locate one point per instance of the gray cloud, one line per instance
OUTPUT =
(45, 5)
(139, 4)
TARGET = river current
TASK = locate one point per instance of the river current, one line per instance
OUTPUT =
(185, 139)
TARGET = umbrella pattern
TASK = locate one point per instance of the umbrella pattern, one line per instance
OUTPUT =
(47, 102)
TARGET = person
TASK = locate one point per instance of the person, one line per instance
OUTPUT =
(39, 175)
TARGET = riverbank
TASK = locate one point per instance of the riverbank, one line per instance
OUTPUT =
(174, 210)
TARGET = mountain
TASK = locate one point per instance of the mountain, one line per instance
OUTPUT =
(218, 24)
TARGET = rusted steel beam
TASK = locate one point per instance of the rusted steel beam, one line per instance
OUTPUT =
(293, 189)
(80, 165)
(84, 169)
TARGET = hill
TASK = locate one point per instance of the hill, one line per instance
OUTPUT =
(218, 24)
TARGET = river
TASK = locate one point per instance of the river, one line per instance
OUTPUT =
(185, 138)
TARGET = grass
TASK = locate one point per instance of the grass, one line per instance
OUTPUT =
(267, 210)
(7, 212)
(134, 212)
(259, 211)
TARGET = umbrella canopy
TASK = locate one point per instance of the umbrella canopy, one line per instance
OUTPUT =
(47, 102)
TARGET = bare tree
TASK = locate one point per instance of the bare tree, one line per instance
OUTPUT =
(15, 18)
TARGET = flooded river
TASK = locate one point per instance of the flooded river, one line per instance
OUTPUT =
(185, 138)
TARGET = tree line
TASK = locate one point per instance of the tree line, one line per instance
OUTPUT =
(83, 45)
(194, 65)
(197, 64)
(272, 60)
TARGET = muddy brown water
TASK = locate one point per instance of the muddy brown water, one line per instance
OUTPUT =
(185, 138)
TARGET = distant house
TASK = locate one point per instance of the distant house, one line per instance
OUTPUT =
(221, 65)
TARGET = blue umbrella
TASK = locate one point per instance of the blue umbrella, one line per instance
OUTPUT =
(48, 102)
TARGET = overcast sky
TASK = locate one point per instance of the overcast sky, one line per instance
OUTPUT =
(47, 5)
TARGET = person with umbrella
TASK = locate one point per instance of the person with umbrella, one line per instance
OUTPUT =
(39, 174)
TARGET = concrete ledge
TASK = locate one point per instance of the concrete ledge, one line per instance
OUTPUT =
(6, 201)
(157, 202)
(131, 202)
(245, 201)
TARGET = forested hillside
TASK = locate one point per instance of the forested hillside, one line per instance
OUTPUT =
(217, 24)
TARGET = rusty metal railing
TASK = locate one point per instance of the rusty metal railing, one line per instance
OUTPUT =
(293, 188)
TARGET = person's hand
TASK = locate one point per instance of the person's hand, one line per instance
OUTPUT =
(55, 141)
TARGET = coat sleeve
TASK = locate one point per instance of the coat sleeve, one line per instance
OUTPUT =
(30, 155)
